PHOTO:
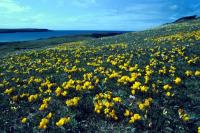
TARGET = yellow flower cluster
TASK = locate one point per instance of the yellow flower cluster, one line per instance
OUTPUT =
(179, 37)
(167, 87)
(104, 103)
(127, 79)
(69, 84)
(59, 92)
(183, 115)
(48, 84)
(73, 69)
(32, 97)
(44, 105)
(72, 102)
(63, 121)
(125, 74)
(138, 86)
(145, 104)
(8, 91)
(188, 73)
(133, 117)
(44, 121)
(191, 73)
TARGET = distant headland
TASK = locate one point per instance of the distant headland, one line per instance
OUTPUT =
(23, 30)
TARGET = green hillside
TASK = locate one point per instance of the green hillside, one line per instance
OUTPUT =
(147, 81)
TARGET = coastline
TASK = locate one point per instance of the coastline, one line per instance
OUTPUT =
(7, 48)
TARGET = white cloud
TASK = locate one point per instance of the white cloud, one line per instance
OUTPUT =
(11, 6)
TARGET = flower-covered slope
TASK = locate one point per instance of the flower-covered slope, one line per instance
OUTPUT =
(142, 81)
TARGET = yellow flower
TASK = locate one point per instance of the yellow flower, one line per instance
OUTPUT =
(78, 87)
(32, 97)
(146, 102)
(63, 121)
(43, 123)
(168, 94)
(37, 80)
(14, 98)
(106, 110)
(64, 93)
(114, 74)
(98, 111)
(131, 69)
(72, 102)
(144, 88)
(150, 99)
(185, 117)
(136, 85)
(188, 73)
(197, 73)
(167, 86)
(117, 99)
(146, 79)
(87, 83)
(126, 113)
(107, 104)
(132, 120)
(49, 115)
(137, 117)
(133, 92)
(141, 106)
(123, 79)
(45, 100)
(43, 106)
(24, 120)
(177, 81)
(8, 91)
(58, 91)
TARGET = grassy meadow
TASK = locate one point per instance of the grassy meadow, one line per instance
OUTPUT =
(147, 81)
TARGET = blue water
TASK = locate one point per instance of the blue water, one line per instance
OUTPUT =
(26, 36)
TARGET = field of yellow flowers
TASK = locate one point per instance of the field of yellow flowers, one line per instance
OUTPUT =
(137, 82)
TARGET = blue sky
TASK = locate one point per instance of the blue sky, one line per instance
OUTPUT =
(93, 14)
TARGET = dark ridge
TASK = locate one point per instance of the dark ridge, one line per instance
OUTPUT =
(99, 35)
(186, 18)
(22, 30)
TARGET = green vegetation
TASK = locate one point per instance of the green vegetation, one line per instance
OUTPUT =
(7, 48)
(18, 47)
(146, 81)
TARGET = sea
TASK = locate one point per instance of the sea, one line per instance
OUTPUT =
(27, 36)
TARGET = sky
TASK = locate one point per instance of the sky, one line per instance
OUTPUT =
(123, 15)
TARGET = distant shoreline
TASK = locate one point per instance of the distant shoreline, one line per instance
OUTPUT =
(23, 30)
(12, 47)
(21, 36)
(91, 35)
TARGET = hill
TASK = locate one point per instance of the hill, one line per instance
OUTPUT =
(187, 18)
(22, 30)
(145, 81)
